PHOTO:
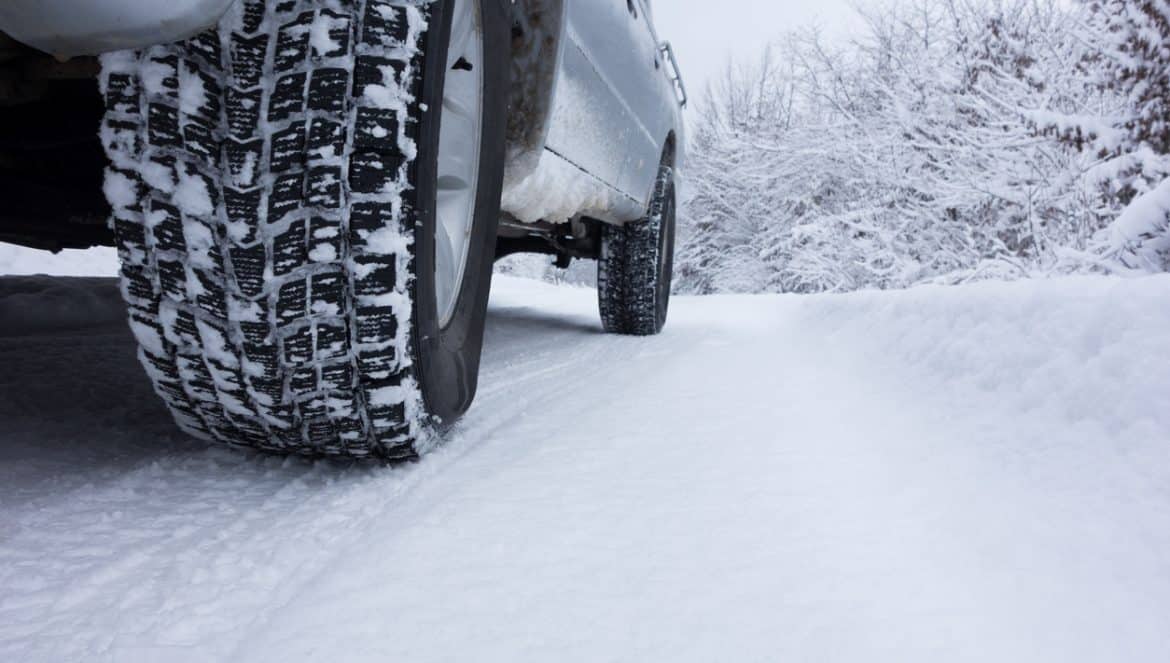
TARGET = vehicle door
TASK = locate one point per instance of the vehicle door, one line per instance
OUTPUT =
(602, 102)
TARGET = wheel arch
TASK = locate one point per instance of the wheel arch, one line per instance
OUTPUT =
(670, 149)
(538, 29)
(670, 157)
(674, 154)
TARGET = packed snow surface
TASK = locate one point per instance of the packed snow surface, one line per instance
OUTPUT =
(979, 473)
(94, 262)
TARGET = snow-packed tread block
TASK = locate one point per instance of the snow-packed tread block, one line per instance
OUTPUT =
(243, 111)
(243, 160)
(328, 90)
(292, 42)
(164, 126)
(122, 94)
(327, 140)
(288, 99)
(248, 56)
(385, 25)
(262, 210)
(205, 45)
(288, 150)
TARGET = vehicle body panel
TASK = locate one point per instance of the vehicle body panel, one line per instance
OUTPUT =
(593, 109)
(85, 27)
(613, 111)
(596, 122)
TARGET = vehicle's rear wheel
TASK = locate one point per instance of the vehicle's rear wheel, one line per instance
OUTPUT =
(305, 203)
(636, 265)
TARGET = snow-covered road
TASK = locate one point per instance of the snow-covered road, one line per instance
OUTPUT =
(977, 473)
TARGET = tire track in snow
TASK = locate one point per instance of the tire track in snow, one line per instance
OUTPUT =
(882, 476)
(232, 536)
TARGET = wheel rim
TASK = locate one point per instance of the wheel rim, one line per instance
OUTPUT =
(460, 134)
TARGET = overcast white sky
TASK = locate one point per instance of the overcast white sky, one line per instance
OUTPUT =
(705, 33)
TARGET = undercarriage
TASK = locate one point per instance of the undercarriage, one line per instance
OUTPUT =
(51, 161)
(52, 164)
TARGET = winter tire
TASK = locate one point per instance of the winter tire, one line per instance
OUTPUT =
(298, 277)
(636, 264)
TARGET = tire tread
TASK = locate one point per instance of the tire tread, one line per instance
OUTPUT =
(280, 317)
(628, 275)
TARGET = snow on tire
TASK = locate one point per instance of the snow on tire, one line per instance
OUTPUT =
(265, 184)
(635, 266)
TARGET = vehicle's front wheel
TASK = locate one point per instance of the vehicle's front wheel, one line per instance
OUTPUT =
(305, 202)
(636, 265)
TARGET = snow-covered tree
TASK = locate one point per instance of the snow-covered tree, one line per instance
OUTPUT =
(733, 199)
(1132, 64)
(924, 148)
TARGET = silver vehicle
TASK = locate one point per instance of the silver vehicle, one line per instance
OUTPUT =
(307, 196)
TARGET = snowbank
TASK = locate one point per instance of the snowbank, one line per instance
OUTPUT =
(101, 261)
(36, 304)
(1076, 349)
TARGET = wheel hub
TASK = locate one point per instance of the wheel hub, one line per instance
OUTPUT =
(460, 137)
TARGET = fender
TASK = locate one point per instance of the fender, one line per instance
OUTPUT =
(554, 170)
(67, 28)
(538, 28)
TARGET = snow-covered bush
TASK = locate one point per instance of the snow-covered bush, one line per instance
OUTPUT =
(949, 140)
(1131, 64)
(541, 268)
